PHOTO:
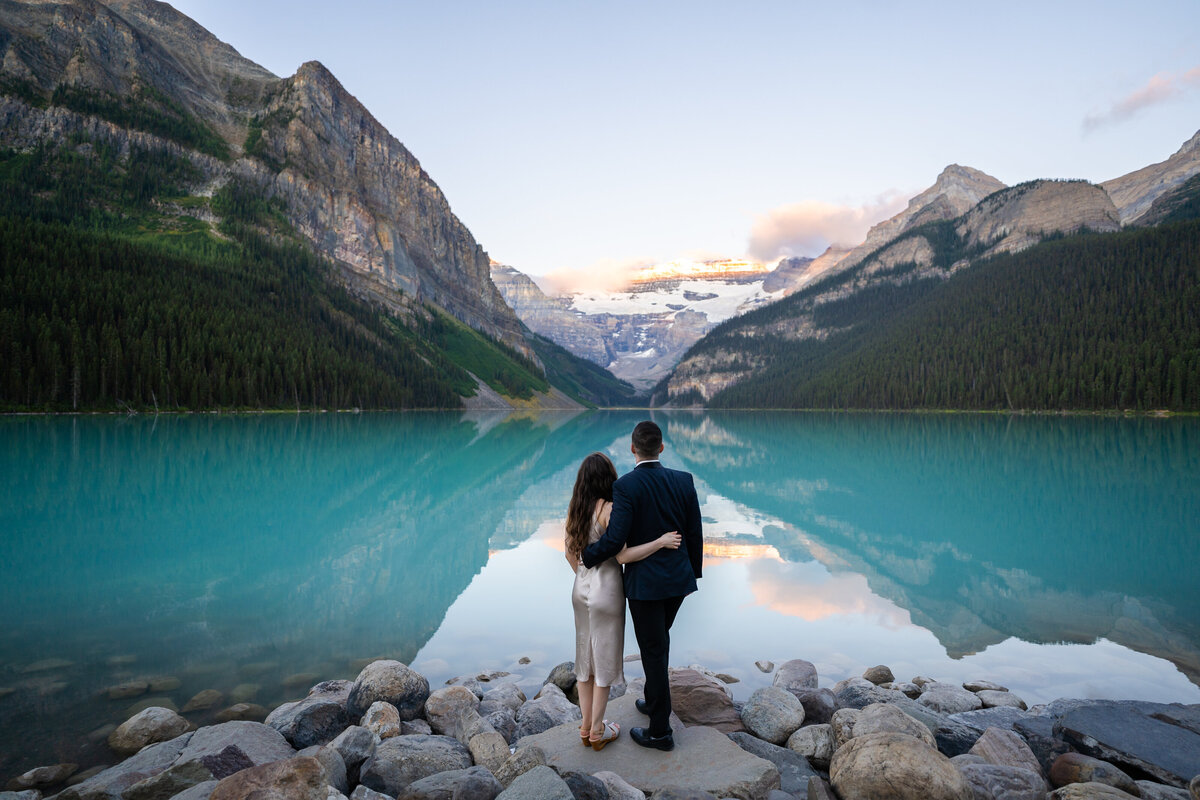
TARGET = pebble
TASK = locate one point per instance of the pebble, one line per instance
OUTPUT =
(879, 674)
(765, 666)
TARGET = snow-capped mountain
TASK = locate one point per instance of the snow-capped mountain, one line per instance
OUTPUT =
(640, 331)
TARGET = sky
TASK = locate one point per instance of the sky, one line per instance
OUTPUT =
(585, 137)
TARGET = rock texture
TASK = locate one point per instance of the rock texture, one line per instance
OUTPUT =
(1016, 218)
(894, 765)
(1135, 193)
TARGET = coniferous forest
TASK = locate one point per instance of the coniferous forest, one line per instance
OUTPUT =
(1089, 321)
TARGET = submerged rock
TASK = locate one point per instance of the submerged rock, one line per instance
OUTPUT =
(154, 724)
(203, 700)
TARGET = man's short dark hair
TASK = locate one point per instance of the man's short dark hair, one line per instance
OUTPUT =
(647, 439)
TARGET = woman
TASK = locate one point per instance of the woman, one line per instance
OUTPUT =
(598, 597)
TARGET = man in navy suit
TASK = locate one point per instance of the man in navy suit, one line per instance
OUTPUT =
(647, 502)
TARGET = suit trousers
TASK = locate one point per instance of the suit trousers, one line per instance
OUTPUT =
(652, 620)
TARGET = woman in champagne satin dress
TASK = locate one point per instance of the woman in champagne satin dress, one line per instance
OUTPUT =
(598, 597)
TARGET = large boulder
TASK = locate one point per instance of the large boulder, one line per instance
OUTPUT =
(1078, 768)
(355, 744)
(257, 743)
(773, 714)
(539, 783)
(995, 782)
(391, 682)
(795, 674)
(819, 704)
(503, 695)
(794, 769)
(445, 706)
(1135, 737)
(292, 779)
(946, 698)
(151, 725)
(895, 766)
(473, 783)
(884, 717)
(316, 719)
(401, 760)
(544, 712)
(703, 758)
(112, 782)
(699, 700)
(814, 742)
(1006, 748)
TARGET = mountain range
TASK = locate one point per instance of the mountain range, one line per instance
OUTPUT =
(105, 88)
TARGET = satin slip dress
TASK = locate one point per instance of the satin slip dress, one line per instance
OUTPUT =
(598, 598)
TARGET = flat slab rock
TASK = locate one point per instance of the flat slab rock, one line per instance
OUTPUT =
(1127, 735)
(703, 758)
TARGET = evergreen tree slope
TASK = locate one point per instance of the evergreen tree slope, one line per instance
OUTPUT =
(1092, 321)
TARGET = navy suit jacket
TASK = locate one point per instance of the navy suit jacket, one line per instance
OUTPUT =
(649, 501)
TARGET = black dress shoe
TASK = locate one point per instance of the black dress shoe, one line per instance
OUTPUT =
(640, 705)
(642, 736)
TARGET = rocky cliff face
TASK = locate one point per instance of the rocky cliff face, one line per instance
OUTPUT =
(1133, 194)
(956, 190)
(1017, 218)
(350, 187)
(551, 316)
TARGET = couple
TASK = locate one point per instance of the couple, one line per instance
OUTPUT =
(636, 520)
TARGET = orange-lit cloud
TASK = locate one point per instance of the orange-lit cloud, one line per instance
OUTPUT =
(607, 275)
(1159, 89)
(811, 593)
(808, 227)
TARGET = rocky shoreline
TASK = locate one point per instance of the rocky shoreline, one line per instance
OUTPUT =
(388, 736)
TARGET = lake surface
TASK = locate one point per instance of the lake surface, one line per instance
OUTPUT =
(256, 555)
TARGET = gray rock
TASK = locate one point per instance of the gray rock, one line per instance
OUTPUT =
(39, 777)
(997, 717)
(549, 710)
(201, 791)
(243, 712)
(563, 676)
(994, 699)
(503, 694)
(796, 674)
(152, 725)
(765, 666)
(502, 720)
(584, 787)
(401, 760)
(814, 742)
(519, 763)
(391, 682)
(842, 725)
(90, 772)
(1151, 790)
(885, 717)
(618, 788)
(1038, 733)
(355, 744)
(910, 690)
(254, 741)
(1006, 748)
(860, 693)
(112, 782)
(819, 789)
(773, 714)
(408, 727)
(488, 750)
(539, 783)
(952, 737)
(383, 720)
(1088, 791)
(335, 768)
(1124, 735)
(25, 794)
(176, 779)
(794, 769)
(967, 758)
(1078, 768)
(473, 783)
(703, 758)
(470, 724)
(443, 708)
(682, 793)
(299, 778)
(982, 686)
(363, 793)
(1194, 788)
(879, 674)
(819, 704)
(995, 782)
(947, 699)
(896, 766)
(313, 720)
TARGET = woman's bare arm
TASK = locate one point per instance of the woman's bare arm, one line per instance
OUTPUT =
(637, 553)
(572, 559)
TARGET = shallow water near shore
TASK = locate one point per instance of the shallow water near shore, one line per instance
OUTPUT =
(258, 555)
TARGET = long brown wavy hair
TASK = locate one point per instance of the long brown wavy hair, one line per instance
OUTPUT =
(593, 482)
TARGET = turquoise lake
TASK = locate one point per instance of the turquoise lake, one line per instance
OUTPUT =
(256, 555)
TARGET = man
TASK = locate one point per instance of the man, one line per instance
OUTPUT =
(647, 502)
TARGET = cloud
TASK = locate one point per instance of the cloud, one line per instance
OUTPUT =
(1159, 89)
(606, 275)
(808, 227)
